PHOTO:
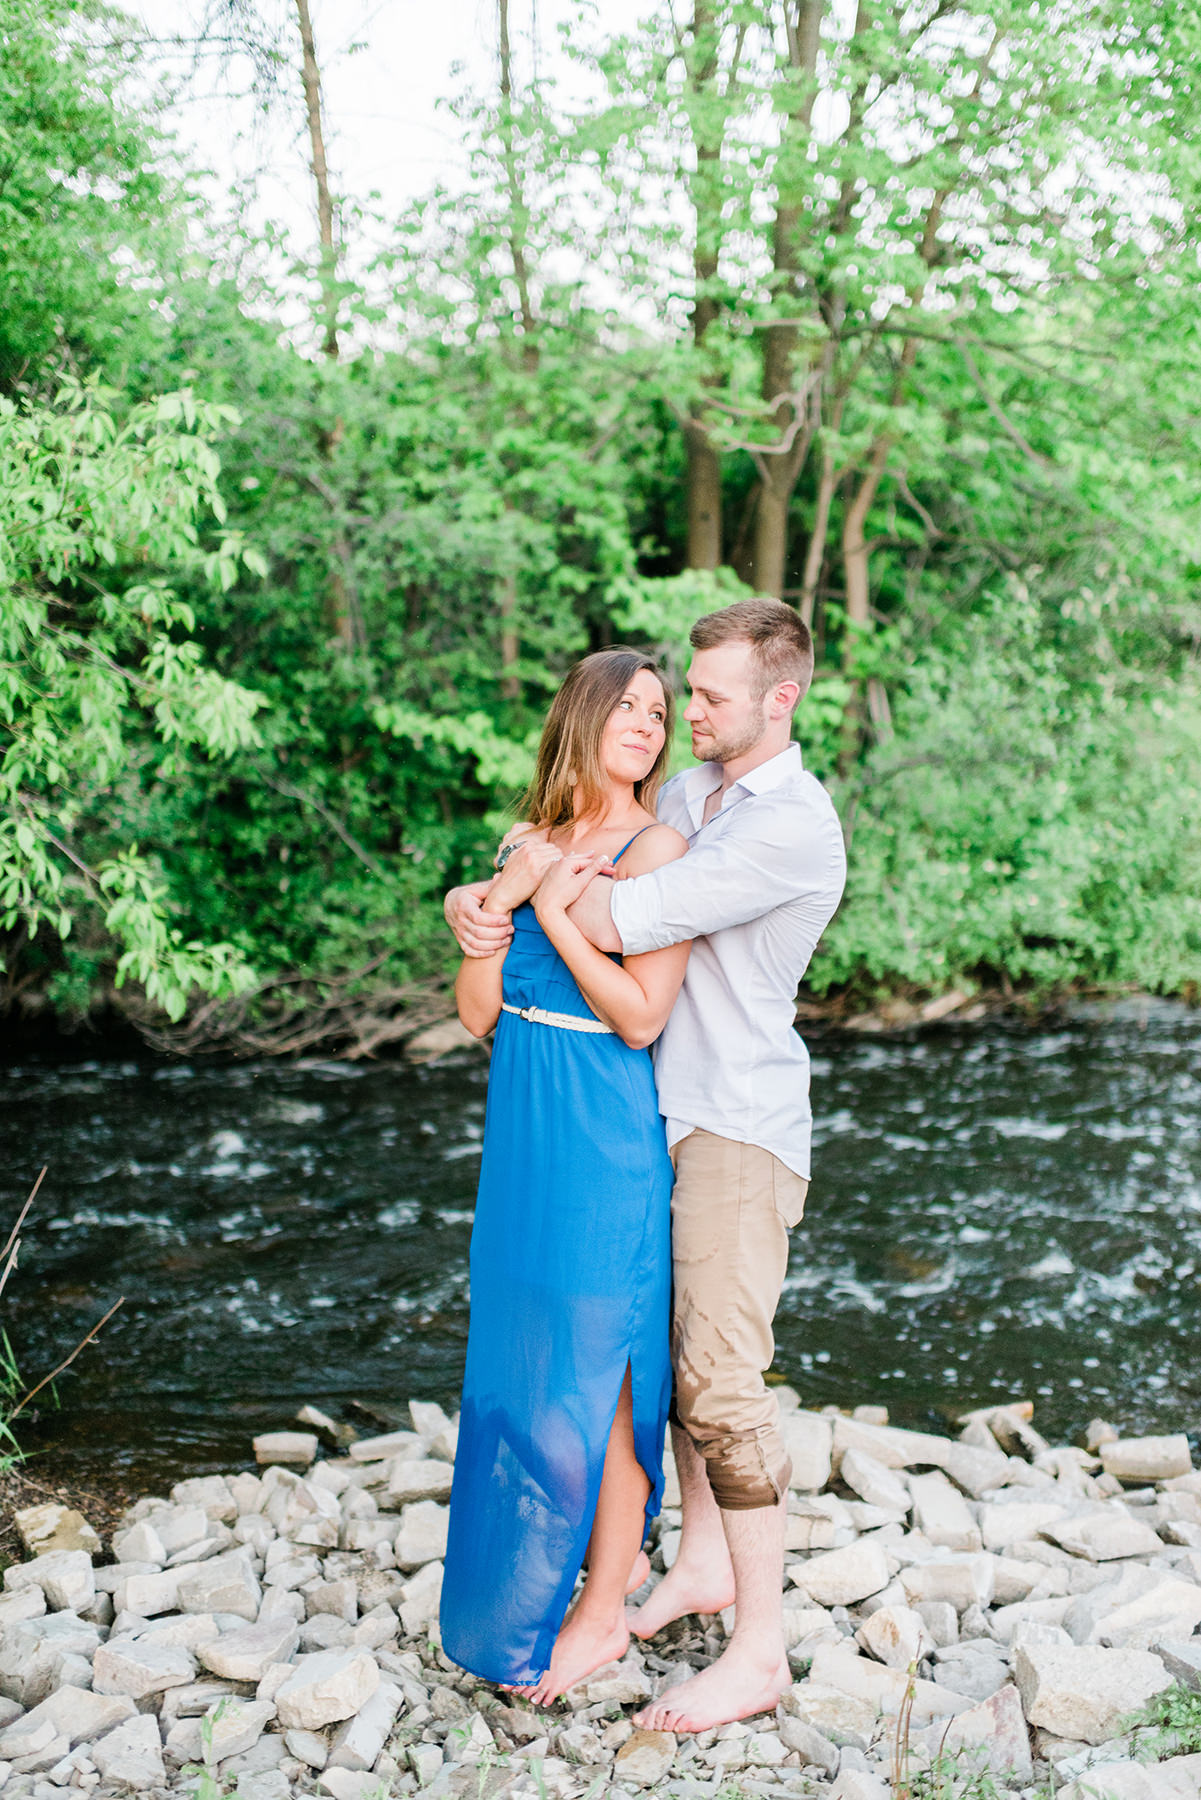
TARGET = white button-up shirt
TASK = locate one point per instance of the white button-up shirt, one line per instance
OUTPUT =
(758, 886)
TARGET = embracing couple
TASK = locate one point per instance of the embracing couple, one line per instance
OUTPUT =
(631, 1228)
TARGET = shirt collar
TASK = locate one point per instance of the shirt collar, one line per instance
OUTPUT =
(701, 781)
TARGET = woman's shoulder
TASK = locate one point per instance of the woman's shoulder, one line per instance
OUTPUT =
(655, 845)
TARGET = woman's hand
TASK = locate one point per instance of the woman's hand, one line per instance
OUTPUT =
(563, 883)
(523, 870)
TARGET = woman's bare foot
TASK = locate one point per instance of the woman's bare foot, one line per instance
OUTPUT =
(683, 1590)
(736, 1686)
(639, 1573)
(580, 1647)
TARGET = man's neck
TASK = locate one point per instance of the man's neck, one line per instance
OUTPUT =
(770, 745)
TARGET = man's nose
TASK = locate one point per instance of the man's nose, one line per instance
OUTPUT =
(693, 711)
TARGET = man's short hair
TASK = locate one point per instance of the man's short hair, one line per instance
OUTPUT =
(780, 640)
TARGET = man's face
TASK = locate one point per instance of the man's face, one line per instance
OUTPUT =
(726, 719)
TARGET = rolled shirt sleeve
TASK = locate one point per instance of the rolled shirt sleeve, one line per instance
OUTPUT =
(762, 861)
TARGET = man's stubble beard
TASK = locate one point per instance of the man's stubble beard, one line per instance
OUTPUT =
(727, 749)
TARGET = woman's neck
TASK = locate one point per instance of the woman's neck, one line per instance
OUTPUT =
(617, 811)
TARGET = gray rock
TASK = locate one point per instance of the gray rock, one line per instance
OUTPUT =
(297, 1448)
(841, 1577)
(808, 1440)
(64, 1576)
(941, 1513)
(1177, 1779)
(341, 1598)
(357, 1742)
(245, 1655)
(1009, 1522)
(326, 1687)
(226, 1584)
(140, 1543)
(235, 1726)
(140, 1667)
(939, 1621)
(349, 1784)
(622, 1683)
(837, 1666)
(873, 1482)
(264, 1784)
(859, 1784)
(211, 1492)
(52, 1527)
(960, 1580)
(411, 1481)
(308, 1747)
(1182, 1659)
(383, 1449)
(1105, 1535)
(806, 1741)
(24, 1603)
(992, 1736)
(1134, 1611)
(1085, 1692)
(132, 1754)
(148, 1595)
(975, 1673)
(894, 1635)
(75, 1713)
(1148, 1458)
(645, 1758)
(428, 1418)
(422, 1535)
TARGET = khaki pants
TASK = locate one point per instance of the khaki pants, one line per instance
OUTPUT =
(731, 1212)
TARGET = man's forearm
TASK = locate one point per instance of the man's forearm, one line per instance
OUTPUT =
(590, 914)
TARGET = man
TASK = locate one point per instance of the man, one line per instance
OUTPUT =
(762, 878)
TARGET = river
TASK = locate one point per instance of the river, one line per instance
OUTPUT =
(995, 1213)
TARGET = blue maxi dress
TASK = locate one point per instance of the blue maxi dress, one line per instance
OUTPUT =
(570, 1285)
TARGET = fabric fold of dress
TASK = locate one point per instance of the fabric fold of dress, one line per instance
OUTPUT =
(570, 1285)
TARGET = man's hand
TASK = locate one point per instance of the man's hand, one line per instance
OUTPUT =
(478, 933)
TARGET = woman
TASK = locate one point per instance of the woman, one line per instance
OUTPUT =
(567, 1381)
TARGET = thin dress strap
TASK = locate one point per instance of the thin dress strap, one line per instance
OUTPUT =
(626, 845)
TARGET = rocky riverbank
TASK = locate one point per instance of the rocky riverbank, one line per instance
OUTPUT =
(990, 1608)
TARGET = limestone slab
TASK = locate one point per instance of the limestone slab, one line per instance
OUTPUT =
(326, 1687)
(645, 1758)
(245, 1655)
(131, 1755)
(842, 1577)
(1147, 1458)
(1085, 1692)
(140, 1667)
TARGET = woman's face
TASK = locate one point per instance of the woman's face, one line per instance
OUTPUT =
(636, 730)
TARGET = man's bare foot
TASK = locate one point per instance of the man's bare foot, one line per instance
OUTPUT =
(639, 1573)
(682, 1591)
(579, 1648)
(736, 1686)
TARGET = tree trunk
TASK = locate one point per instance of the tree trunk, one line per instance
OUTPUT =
(795, 413)
(703, 460)
(518, 211)
(311, 76)
(704, 498)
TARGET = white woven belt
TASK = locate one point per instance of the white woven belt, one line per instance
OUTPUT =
(567, 1021)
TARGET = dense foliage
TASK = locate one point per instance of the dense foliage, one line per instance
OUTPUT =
(893, 317)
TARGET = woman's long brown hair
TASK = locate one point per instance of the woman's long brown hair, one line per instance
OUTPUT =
(568, 777)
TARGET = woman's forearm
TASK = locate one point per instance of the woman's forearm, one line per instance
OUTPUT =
(616, 996)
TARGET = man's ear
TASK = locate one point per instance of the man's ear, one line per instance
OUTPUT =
(783, 702)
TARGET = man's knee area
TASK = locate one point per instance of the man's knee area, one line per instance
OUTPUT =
(744, 1473)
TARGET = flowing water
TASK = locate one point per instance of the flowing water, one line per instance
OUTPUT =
(994, 1214)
